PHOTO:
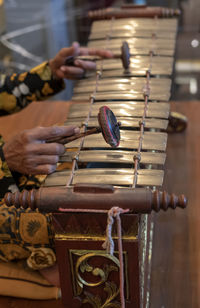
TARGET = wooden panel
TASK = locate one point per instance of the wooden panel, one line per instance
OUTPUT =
(9, 302)
(70, 252)
(176, 252)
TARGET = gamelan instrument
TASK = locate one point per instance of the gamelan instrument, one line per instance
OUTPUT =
(94, 183)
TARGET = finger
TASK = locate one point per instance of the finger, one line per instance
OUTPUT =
(76, 47)
(72, 70)
(45, 133)
(61, 56)
(96, 52)
(44, 159)
(44, 169)
(85, 65)
(62, 75)
(59, 74)
(70, 51)
(45, 149)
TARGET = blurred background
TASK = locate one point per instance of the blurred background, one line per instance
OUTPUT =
(33, 31)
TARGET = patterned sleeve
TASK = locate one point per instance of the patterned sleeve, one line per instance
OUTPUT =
(24, 234)
(18, 90)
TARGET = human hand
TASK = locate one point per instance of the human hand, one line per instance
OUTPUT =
(28, 153)
(60, 70)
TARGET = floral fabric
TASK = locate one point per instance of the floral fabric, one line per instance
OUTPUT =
(24, 234)
(19, 90)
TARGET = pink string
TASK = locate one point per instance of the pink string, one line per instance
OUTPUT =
(109, 244)
(121, 261)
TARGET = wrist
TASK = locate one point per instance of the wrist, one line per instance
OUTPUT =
(5, 156)
(53, 71)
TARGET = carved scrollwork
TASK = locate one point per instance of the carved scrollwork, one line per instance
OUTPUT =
(83, 266)
(95, 301)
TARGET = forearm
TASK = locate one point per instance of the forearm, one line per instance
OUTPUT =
(18, 90)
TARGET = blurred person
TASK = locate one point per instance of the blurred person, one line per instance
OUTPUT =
(25, 234)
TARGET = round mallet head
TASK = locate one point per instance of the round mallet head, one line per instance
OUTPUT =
(109, 126)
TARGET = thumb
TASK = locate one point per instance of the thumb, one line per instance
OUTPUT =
(74, 50)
